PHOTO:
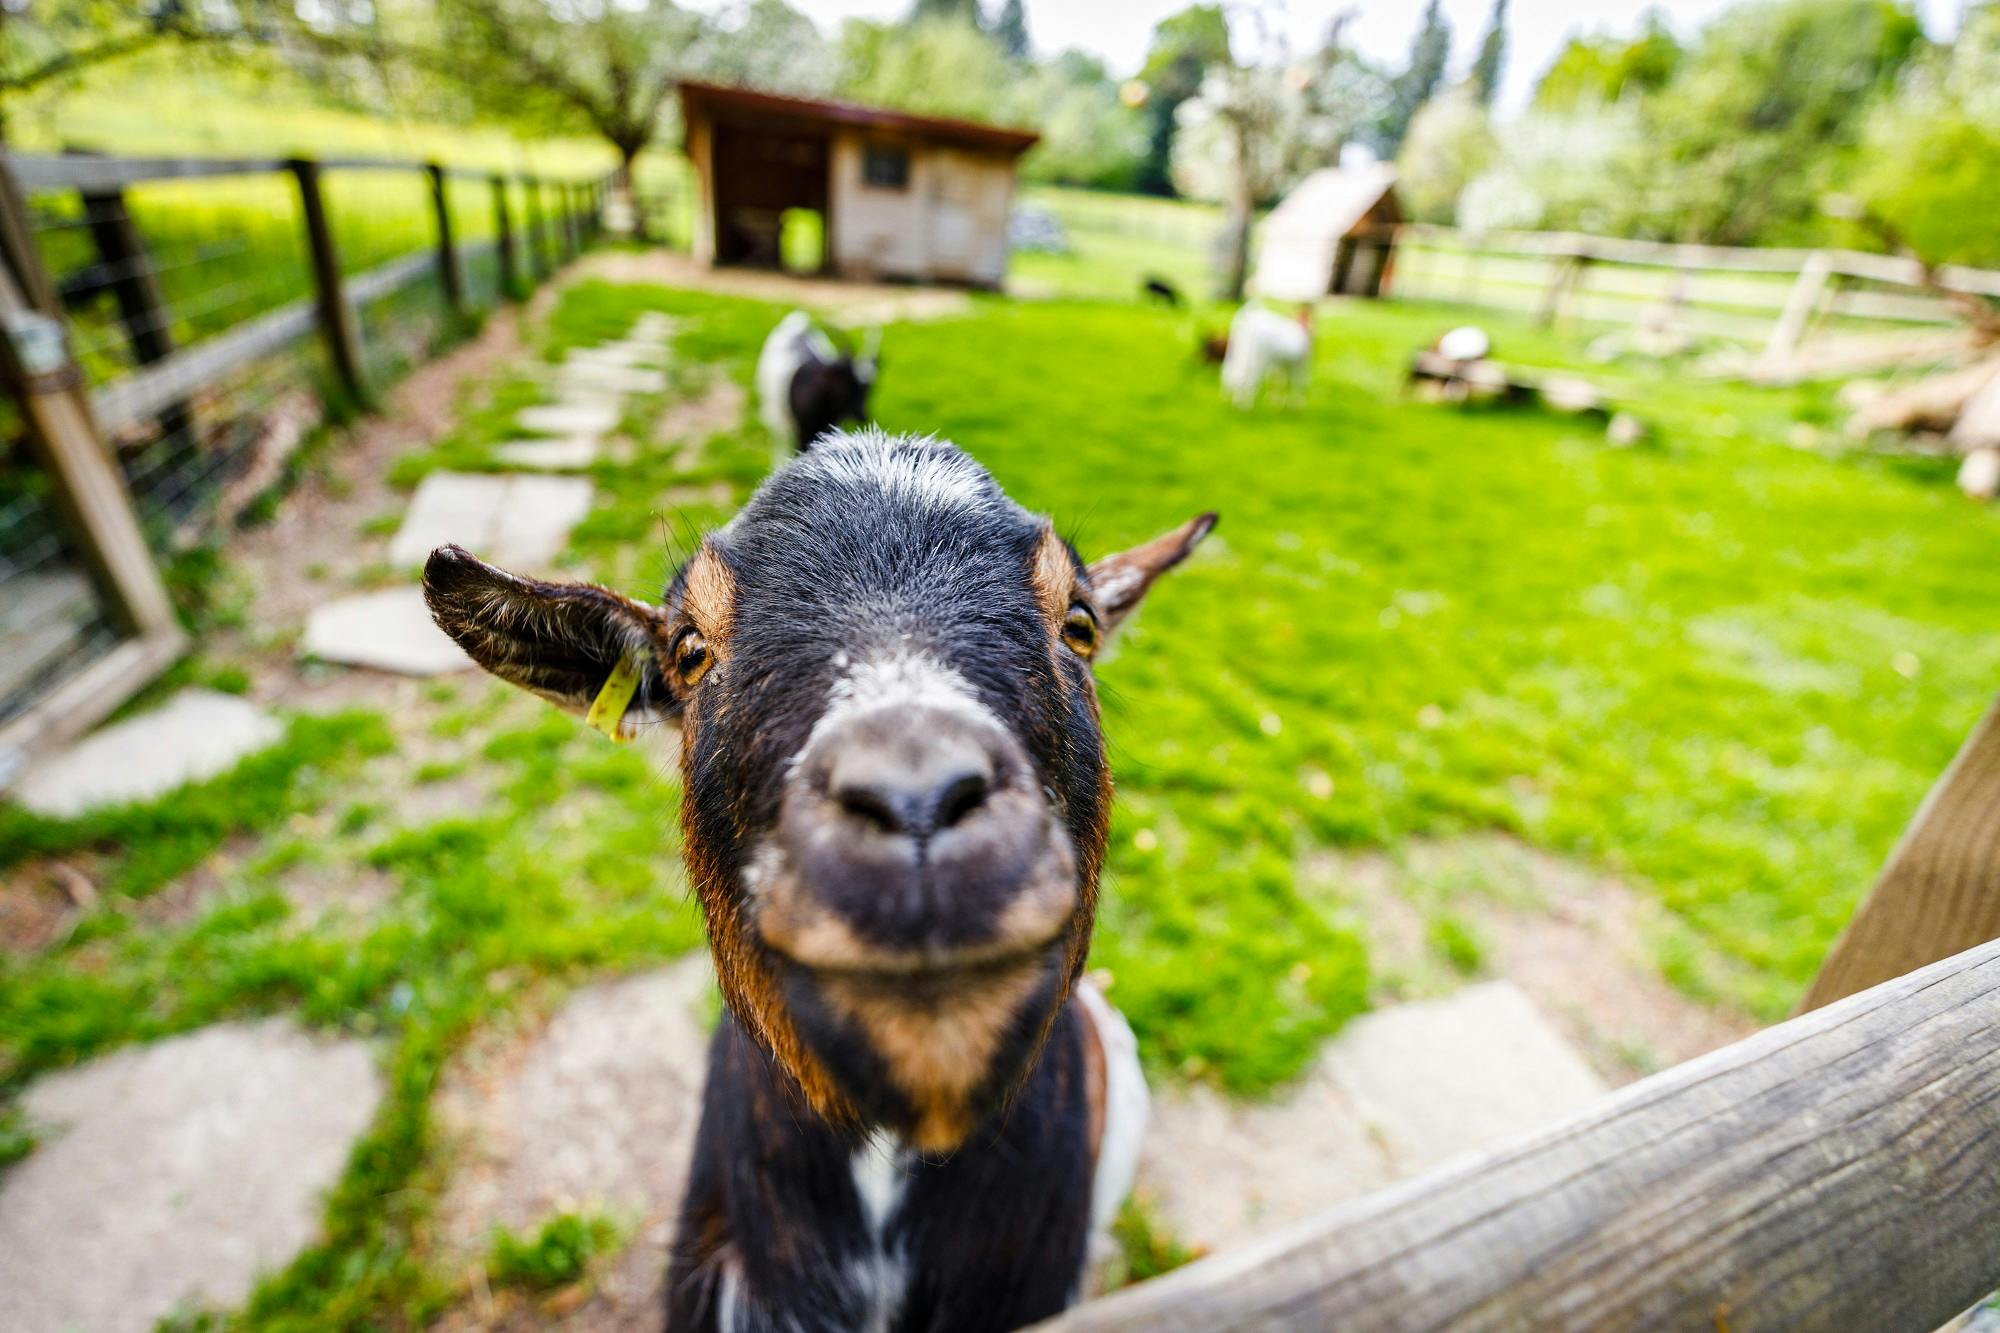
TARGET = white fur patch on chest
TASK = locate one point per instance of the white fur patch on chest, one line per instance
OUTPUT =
(1127, 1107)
(880, 1278)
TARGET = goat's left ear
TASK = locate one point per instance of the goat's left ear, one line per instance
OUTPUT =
(563, 641)
(1118, 582)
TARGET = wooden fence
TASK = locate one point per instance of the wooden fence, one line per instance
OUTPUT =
(1771, 297)
(85, 618)
(1838, 1171)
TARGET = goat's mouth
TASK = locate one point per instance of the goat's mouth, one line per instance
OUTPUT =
(916, 967)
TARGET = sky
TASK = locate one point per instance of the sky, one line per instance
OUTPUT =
(1119, 31)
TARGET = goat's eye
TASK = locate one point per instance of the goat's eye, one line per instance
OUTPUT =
(1079, 630)
(691, 657)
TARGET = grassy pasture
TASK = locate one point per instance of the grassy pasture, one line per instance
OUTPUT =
(1722, 668)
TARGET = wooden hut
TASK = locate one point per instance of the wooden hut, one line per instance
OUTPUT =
(915, 198)
(1334, 235)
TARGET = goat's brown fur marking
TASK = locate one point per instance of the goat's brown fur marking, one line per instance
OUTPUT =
(709, 597)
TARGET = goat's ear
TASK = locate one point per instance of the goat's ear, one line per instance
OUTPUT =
(1119, 582)
(562, 641)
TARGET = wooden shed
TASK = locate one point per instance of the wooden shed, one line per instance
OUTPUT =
(915, 198)
(1333, 235)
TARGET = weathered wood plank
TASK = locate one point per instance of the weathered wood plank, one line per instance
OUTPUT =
(1939, 893)
(1837, 1171)
(91, 172)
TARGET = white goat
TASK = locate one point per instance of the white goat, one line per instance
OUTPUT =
(1263, 343)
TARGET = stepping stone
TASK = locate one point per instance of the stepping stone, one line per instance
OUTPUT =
(1397, 1092)
(196, 734)
(509, 519)
(593, 417)
(391, 630)
(550, 455)
(171, 1176)
(604, 377)
(596, 1113)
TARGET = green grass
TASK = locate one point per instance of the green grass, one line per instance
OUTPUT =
(557, 1255)
(1721, 668)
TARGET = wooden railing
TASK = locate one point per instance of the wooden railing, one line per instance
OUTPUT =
(69, 427)
(1768, 296)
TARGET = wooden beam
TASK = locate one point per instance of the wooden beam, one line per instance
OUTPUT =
(92, 172)
(1834, 1172)
(1800, 307)
(336, 317)
(1940, 891)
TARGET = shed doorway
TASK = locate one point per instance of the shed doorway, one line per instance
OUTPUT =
(762, 175)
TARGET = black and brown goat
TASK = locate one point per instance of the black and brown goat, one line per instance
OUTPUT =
(807, 385)
(896, 798)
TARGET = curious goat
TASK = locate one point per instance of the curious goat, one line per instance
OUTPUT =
(806, 386)
(1262, 345)
(896, 801)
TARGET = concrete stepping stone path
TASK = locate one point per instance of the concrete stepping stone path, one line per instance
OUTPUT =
(390, 630)
(196, 734)
(513, 520)
(550, 455)
(597, 1112)
(580, 416)
(1398, 1091)
(169, 1177)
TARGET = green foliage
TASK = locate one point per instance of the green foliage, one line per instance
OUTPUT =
(1450, 144)
(1184, 46)
(557, 1255)
(17, 1140)
(1593, 70)
(1146, 1247)
(933, 66)
(1457, 942)
(1930, 157)
(1421, 77)
(1762, 113)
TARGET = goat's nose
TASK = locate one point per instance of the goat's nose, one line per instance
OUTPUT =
(913, 790)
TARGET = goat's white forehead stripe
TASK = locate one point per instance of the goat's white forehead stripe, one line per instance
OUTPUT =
(905, 469)
(900, 680)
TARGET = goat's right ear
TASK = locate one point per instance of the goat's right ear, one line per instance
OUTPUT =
(562, 641)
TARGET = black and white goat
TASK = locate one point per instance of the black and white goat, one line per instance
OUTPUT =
(896, 799)
(806, 386)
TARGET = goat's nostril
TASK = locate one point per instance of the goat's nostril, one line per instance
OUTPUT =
(872, 805)
(961, 796)
(918, 808)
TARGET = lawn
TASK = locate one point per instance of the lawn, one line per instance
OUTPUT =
(1718, 666)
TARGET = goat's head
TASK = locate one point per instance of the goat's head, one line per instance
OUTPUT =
(896, 789)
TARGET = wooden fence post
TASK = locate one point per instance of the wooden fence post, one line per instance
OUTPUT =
(17, 248)
(1939, 893)
(336, 318)
(142, 308)
(90, 493)
(503, 227)
(454, 281)
(531, 189)
(1800, 306)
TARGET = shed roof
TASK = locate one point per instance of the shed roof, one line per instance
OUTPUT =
(747, 104)
(1303, 233)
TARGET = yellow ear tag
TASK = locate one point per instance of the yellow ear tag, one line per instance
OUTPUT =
(607, 710)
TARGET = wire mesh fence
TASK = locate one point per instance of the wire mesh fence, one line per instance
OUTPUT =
(194, 315)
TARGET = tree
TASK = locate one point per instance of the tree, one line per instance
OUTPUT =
(766, 44)
(1930, 155)
(951, 11)
(1089, 136)
(46, 42)
(1491, 62)
(1011, 30)
(1764, 114)
(1603, 69)
(1429, 51)
(1450, 144)
(938, 67)
(1184, 46)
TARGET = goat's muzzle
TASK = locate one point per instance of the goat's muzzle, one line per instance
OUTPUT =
(913, 842)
